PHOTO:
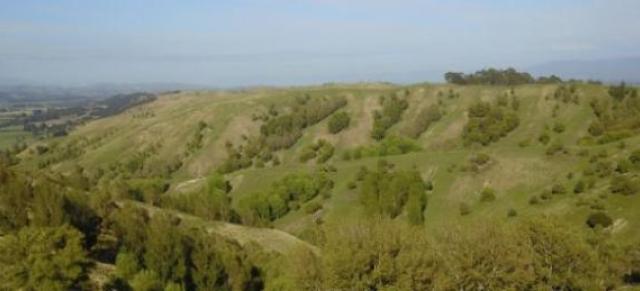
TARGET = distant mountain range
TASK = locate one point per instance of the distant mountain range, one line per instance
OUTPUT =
(606, 70)
(21, 93)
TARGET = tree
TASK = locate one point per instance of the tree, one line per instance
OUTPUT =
(378, 255)
(416, 203)
(146, 280)
(42, 258)
(130, 225)
(219, 265)
(454, 78)
(165, 249)
(127, 265)
(48, 206)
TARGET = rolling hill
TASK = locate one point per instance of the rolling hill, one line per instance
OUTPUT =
(482, 153)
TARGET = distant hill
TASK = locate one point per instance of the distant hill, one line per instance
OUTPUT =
(18, 92)
(607, 70)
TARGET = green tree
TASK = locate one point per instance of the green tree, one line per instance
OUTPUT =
(146, 280)
(127, 265)
(378, 255)
(42, 258)
(416, 203)
(130, 224)
(48, 206)
(165, 249)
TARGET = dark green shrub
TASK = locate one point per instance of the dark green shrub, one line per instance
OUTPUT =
(338, 122)
(558, 127)
(428, 186)
(558, 189)
(579, 187)
(634, 158)
(544, 138)
(534, 200)
(487, 195)
(600, 219)
(464, 209)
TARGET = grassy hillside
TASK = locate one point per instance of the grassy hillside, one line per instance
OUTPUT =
(158, 135)
(275, 184)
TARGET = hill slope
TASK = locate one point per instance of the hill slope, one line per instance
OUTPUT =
(182, 138)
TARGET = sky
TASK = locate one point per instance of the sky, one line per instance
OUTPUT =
(280, 42)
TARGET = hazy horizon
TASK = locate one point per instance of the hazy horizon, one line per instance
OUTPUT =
(278, 42)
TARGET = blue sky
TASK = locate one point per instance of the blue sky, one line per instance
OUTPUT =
(251, 42)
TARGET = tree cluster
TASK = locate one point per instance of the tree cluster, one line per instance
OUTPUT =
(390, 114)
(387, 193)
(389, 146)
(321, 150)
(488, 123)
(280, 131)
(530, 254)
(339, 122)
(284, 195)
(490, 76)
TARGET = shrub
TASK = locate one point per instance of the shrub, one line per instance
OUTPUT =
(512, 213)
(487, 195)
(634, 158)
(321, 150)
(352, 185)
(338, 122)
(546, 195)
(558, 189)
(579, 187)
(312, 207)
(464, 209)
(544, 138)
(428, 186)
(624, 185)
(624, 166)
(599, 219)
(554, 149)
(558, 127)
(534, 200)
(389, 146)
